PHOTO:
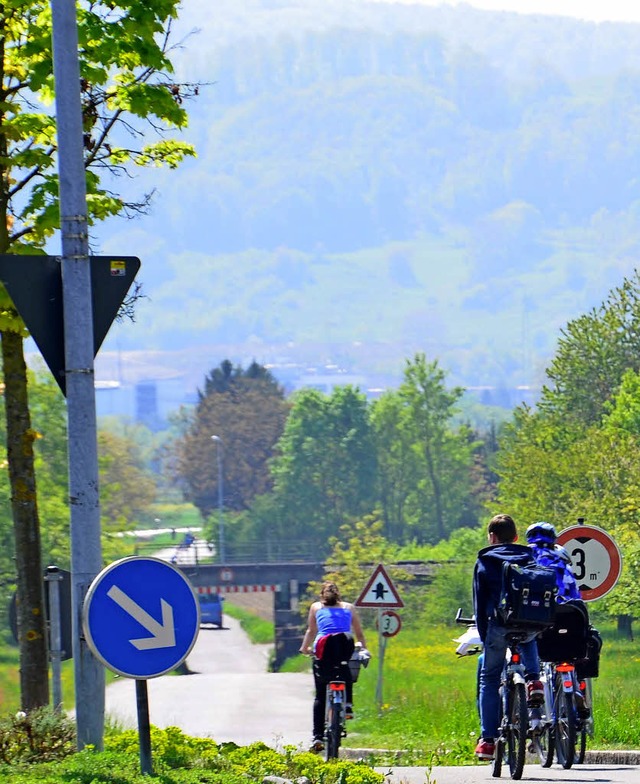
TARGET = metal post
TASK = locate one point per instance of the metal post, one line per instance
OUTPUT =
(219, 453)
(144, 728)
(382, 644)
(86, 560)
(53, 579)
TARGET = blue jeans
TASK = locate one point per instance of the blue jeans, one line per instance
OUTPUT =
(495, 650)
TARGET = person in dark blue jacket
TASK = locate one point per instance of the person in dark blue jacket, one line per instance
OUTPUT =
(487, 584)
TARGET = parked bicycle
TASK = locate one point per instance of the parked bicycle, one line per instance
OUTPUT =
(511, 743)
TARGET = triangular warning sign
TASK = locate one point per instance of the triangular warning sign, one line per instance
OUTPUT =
(379, 591)
(34, 283)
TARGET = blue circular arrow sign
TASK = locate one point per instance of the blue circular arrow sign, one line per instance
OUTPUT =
(141, 617)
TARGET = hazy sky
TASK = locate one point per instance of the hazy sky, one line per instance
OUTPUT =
(593, 10)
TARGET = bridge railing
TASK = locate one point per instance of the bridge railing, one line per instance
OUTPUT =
(201, 552)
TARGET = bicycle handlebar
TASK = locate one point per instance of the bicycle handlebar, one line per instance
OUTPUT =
(466, 621)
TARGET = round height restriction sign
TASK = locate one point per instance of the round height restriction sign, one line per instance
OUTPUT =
(595, 559)
(390, 623)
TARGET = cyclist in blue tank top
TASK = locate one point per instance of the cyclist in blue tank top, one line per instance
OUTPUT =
(330, 615)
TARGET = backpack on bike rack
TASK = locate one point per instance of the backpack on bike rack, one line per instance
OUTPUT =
(589, 667)
(527, 598)
(332, 650)
(566, 640)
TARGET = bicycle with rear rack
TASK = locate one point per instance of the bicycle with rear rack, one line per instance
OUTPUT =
(335, 713)
(568, 710)
(567, 661)
(511, 743)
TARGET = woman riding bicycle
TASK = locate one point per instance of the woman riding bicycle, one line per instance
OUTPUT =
(328, 616)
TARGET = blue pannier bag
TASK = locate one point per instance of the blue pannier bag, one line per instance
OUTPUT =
(528, 597)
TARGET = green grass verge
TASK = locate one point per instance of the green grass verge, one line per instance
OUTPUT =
(259, 631)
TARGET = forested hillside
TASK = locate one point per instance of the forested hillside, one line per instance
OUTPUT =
(447, 180)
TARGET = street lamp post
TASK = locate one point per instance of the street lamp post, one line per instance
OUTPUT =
(219, 453)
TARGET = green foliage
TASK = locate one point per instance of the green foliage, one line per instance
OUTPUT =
(324, 472)
(449, 590)
(576, 456)
(246, 410)
(462, 545)
(39, 736)
(180, 759)
(426, 465)
(126, 486)
(594, 351)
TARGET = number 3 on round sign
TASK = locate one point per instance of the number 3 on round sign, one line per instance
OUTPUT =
(595, 559)
(390, 623)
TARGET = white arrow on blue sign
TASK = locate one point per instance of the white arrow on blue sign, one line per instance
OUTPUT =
(141, 617)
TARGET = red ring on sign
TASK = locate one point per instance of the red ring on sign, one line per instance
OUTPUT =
(607, 541)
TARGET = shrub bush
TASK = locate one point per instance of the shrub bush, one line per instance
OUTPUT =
(41, 735)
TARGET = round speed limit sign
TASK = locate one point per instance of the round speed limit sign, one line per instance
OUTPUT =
(389, 623)
(595, 559)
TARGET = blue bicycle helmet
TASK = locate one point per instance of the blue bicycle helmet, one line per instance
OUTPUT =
(541, 533)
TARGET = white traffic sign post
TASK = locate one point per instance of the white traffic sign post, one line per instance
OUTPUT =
(141, 619)
(380, 592)
(596, 561)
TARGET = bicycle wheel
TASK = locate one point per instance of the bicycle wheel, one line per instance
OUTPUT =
(517, 725)
(581, 746)
(565, 727)
(498, 755)
(496, 764)
(544, 745)
(333, 731)
(585, 725)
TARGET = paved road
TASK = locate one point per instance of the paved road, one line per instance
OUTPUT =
(479, 774)
(229, 696)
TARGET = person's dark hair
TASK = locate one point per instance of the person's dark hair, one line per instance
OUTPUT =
(503, 527)
(329, 594)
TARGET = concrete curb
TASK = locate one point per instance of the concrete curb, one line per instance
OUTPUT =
(613, 757)
(608, 757)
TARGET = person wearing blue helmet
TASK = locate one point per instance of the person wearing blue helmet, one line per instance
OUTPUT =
(542, 537)
(542, 540)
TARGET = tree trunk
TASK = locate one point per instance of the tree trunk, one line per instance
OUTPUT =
(32, 633)
(624, 626)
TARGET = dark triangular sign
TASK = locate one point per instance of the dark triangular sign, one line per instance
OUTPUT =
(34, 283)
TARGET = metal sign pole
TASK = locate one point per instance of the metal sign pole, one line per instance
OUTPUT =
(86, 558)
(144, 727)
(382, 644)
(53, 579)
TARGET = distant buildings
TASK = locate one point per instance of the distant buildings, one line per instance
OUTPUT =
(148, 386)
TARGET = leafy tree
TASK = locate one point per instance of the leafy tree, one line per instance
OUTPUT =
(594, 351)
(125, 67)
(246, 409)
(126, 487)
(441, 456)
(576, 456)
(324, 473)
(397, 467)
